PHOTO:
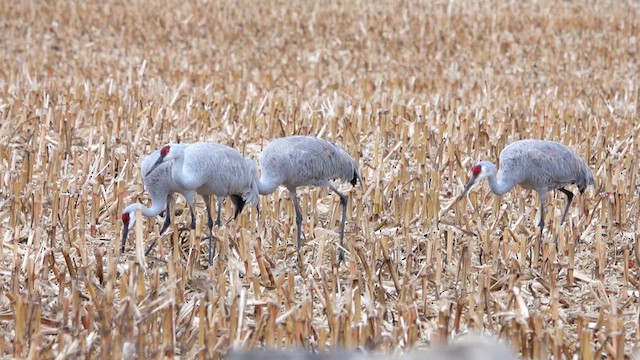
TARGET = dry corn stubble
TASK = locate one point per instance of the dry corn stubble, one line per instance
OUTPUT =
(415, 91)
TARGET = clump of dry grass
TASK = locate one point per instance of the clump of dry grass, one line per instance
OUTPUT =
(415, 91)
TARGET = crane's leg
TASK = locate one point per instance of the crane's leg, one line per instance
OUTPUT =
(193, 217)
(543, 197)
(220, 201)
(167, 218)
(343, 201)
(212, 249)
(296, 205)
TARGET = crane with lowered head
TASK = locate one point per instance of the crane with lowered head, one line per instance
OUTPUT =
(161, 187)
(538, 165)
(212, 169)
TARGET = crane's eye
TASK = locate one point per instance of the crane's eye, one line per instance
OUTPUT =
(125, 218)
(476, 170)
(165, 150)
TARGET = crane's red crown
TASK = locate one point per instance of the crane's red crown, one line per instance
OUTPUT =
(476, 170)
(165, 150)
(125, 218)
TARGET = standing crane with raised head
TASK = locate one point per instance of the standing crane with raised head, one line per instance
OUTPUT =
(295, 161)
(161, 187)
(212, 169)
(537, 165)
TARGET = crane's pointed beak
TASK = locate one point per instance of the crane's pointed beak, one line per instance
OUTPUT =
(467, 187)
(125, 233)
(155, 165)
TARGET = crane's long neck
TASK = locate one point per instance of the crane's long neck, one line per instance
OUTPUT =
(156, 207)
(183, 180)
(498, 185)
(267, 185)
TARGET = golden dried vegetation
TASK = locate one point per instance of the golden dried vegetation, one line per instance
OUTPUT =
(416, 91)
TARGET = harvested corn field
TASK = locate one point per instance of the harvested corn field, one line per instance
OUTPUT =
(415, 91)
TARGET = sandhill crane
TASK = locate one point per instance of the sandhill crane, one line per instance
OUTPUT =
(161, 187)
(212, 169)
(295, 161)
(467, 347)
(538, 165)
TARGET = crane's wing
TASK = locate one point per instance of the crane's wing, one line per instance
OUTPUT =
(307, 160)
(538, 164)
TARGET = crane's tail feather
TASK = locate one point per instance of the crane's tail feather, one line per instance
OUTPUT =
(356, 177)
(251, 196)
(355, 174)
(346, 167)
(588, 178)
(238, 203)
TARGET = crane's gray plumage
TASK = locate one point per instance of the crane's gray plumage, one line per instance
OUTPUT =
(295, 161)
(537, 165)
(212, 169)
(160, 187)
